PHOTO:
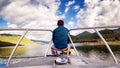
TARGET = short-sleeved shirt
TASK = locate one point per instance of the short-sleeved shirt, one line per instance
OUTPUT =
(60, 37)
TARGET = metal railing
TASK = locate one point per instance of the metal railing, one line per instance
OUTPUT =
(23, 35)
(20, 39)
(100, 35)
(50, 44)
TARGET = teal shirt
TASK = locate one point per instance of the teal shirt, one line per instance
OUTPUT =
(60, 37)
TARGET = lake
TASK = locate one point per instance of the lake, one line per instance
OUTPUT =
(40, 50)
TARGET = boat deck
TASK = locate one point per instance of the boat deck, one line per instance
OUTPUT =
(49, 62)
(75, 62)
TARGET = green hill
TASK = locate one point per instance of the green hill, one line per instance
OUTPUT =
(108, 34)
(11, 40)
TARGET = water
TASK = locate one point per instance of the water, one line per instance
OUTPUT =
(77, 44)
(100, 53)
(40, 50)
(24, 51)
(2, 62)
(103, 56)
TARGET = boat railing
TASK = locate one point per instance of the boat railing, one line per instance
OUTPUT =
(50, 43)
(100, 35)
(20, 39)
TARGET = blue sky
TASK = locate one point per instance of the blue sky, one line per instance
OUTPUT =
(44, 13)
(69, 15)
(2, 23)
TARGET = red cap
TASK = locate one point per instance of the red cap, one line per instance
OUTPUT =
(60, 22)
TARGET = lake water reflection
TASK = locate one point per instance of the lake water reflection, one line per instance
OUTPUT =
(40, 50)
(24, 51)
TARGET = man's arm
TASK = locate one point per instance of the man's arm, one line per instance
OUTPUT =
(68, 39)
(53, 36)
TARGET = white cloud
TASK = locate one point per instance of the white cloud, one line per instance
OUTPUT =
(62, 16)
(67, 9)
(68, 5)
(25, 14)
(3, 3)
(99, 13)
(76, 7)
(11, 25)
(38, 35)
(71, 24)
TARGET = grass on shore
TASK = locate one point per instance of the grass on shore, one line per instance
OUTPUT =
(12, 40)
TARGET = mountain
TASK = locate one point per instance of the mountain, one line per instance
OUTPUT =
(117, 30)
(9, 35)
(85, 33)
(108, 34)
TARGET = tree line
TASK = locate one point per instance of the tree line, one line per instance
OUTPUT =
(108, 34)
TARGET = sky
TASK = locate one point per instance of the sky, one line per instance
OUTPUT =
(44, 14)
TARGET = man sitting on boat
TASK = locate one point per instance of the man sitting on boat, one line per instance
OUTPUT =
(60, 38)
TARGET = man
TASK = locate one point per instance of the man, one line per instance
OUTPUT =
(60, 37)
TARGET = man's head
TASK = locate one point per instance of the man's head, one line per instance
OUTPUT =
(60, 23)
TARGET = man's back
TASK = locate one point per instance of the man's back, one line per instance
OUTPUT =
(60, 37)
